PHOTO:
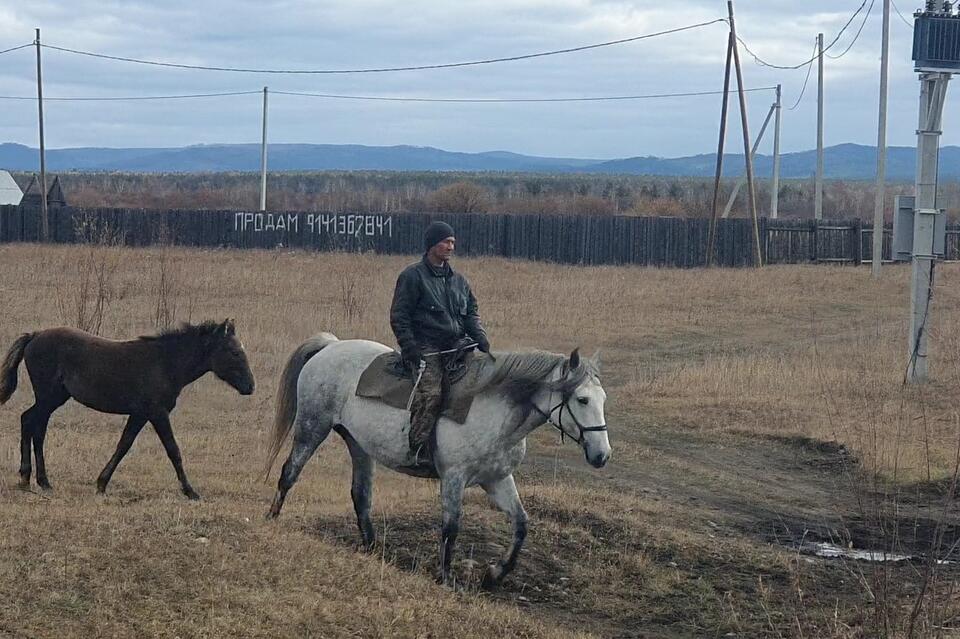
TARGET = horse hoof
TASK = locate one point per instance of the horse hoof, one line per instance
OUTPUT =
(492, 577)
(23, 484)
(192, 495)
(275, 507)
(45, 486)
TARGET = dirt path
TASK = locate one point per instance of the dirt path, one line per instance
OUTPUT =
(730, 490)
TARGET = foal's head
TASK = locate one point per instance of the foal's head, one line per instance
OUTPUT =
(228, 361)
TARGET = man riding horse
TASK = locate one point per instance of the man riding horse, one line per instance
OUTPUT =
(433, 311)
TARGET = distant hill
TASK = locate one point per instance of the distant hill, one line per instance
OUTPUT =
(844, 161)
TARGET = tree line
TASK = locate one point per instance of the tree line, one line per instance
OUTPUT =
(457, 192)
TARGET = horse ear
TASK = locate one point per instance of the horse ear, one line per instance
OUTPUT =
(229, 327)
(575, 359)
(596, 358)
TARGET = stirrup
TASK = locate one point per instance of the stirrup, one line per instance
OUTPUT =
(422, 457)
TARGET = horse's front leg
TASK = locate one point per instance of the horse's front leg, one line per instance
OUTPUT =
(133, 427)
(161, 423)
(451, 501)
(504, 496)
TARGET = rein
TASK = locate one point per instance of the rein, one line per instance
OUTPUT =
(581, 429)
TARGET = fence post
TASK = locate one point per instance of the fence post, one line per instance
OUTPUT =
(858, 247)
(815, 241)
(764, 239)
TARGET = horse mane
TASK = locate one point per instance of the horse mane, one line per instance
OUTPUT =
(520, 376)
(184, 330)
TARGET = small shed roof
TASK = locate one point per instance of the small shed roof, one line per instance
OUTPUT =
(10, 193)
(55, 197)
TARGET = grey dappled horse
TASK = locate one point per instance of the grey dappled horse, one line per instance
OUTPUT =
(515, 395)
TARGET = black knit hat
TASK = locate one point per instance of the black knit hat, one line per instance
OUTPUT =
(436, 233)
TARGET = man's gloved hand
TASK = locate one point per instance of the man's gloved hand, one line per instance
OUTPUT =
(483, 345)
(411, 356)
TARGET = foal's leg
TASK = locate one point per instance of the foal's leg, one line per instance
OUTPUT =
(161, 424)
(33, 429)
(307, 436)
(361, 488)
(451, 500)
(39, 435)
(48, 402)
(27, 420)
(134, 424)
(504, 496)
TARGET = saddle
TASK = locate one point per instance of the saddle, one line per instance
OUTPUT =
(388, 380)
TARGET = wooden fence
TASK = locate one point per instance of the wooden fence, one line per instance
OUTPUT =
(654, 241)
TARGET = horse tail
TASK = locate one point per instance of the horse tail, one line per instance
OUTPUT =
(287, 393)
(8, 372)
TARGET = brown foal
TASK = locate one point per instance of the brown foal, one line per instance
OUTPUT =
(141, 378)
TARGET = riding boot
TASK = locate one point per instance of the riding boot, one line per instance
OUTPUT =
(425, 410)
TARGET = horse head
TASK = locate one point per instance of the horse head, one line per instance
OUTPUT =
(580, 413)
(228, 360)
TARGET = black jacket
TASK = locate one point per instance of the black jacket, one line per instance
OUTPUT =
(433, 308)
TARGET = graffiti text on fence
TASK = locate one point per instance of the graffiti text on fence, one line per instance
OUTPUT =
(329, 223)
(260, 222)
(350, 224)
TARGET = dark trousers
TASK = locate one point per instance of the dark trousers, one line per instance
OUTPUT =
(427, 403)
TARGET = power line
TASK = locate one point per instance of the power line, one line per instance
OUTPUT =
(803, 89)
(385, 69)
(142, 97)
(763, 62)
(897, 9)
(856, 37)
(512, 100)
(22, 46)
(607, 98)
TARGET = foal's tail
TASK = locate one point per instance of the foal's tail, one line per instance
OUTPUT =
(8, 372)
(287, 393)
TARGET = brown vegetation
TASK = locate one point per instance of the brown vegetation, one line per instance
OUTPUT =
(746, 407)
(459, 197)
(386, 192)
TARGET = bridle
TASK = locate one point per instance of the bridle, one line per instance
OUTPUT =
(581, 429)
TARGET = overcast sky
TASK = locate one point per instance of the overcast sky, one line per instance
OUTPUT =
(311, 34)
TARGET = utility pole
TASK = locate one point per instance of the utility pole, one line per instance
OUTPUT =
(712, 233)
(933, 90)
(753, 154)
(263, 156)
(936, 60)
(44, 220)
(751, 193)
(877, 253)
(818, 186)
(775, 181)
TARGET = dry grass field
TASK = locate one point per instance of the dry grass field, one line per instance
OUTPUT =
(748, 411)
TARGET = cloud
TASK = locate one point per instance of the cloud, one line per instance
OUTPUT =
(373, 33)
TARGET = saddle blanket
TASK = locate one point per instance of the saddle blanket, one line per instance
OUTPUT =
(387, 380)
